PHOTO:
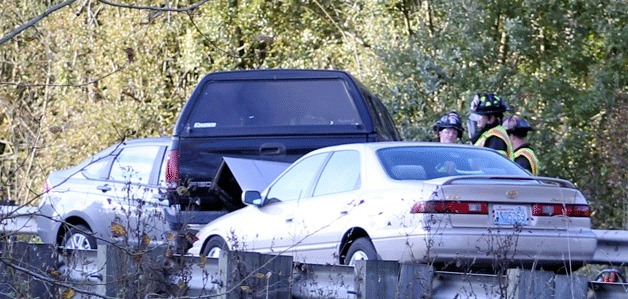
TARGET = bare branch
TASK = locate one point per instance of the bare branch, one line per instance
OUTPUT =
(34, 21)
(52, 9)
(83, 84)
(155, 8)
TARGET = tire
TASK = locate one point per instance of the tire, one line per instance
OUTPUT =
(360, 249)
(214, 247)
(78, 237)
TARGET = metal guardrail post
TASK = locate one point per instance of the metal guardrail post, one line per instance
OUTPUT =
(375, 279)
(415, 280)
(254, 275)
(571, 286)
(523, 284)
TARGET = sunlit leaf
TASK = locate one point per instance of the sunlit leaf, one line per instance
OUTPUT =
(171, 236)
(145, 240)
(69, 294)
(117, 230)
(203, 260)
(54, 272)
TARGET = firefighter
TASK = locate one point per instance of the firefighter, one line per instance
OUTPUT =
(518, 128)
(486, 113)
(449, 128)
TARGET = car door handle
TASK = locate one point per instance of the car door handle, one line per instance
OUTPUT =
(289, 220)
(343, 213)
(104, 188)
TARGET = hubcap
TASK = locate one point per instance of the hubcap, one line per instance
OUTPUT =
(214, 252)
(78, 241)
(357, 256)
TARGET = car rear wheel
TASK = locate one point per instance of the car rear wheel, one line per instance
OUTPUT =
(214, 247)
(79, 237)
(360, 249)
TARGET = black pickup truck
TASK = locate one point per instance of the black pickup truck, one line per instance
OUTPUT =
(240, 129)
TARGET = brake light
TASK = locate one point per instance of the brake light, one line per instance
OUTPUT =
(450, 207)
(560, 209)
(172, 169)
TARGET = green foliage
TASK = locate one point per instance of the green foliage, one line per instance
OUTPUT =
(92, 74)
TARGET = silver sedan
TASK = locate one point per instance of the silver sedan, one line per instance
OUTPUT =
(409, 202)
(111, 197)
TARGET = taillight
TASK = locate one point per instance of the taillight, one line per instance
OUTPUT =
(172, 169)
(450, 207)
(560, 209)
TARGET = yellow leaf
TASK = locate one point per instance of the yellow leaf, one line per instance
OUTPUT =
(145, 240)
(117, 230)
(54, 272)
(171, 236)
(260, 275)
(203, 260)
(68, 294)
(245, 288)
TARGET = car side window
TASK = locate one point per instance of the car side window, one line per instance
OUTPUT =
(295, 182)
(341, 174)
(134, 164)
(98, 169)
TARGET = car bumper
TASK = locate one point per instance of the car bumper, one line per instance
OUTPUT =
(482, 246)
(48, 224)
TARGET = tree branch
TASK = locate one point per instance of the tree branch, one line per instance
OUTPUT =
(154, 8)
(52, 9)
(34, 21)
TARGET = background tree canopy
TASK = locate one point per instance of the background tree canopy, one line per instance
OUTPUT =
(94, 72)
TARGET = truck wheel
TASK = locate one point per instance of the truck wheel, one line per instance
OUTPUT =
(79, 237)
(360, 249)
(214, 247)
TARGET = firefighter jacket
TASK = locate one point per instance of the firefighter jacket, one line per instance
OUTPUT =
(525, 156)
(495, 137)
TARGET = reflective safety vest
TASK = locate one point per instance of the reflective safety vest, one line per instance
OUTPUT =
(500, 133)
(529, 154)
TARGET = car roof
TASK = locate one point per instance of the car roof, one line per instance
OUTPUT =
(387, 144)
(148, 140)
(276, 74)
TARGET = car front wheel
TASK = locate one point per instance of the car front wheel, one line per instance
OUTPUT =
(360, 249)
(79, 237)
(214, 247)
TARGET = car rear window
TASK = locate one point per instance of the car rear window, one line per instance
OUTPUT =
(424, 163)
(289, 103)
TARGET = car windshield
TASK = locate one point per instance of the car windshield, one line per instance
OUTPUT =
(425, 163)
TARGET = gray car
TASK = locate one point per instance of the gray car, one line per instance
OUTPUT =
(111, 197)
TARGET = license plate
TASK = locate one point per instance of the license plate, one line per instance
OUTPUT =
(510, 215)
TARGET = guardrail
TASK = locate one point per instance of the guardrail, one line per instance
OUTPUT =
(202, 277)
(612, 247)
(111, 271)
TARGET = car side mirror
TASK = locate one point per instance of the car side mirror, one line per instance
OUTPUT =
(252, 197)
